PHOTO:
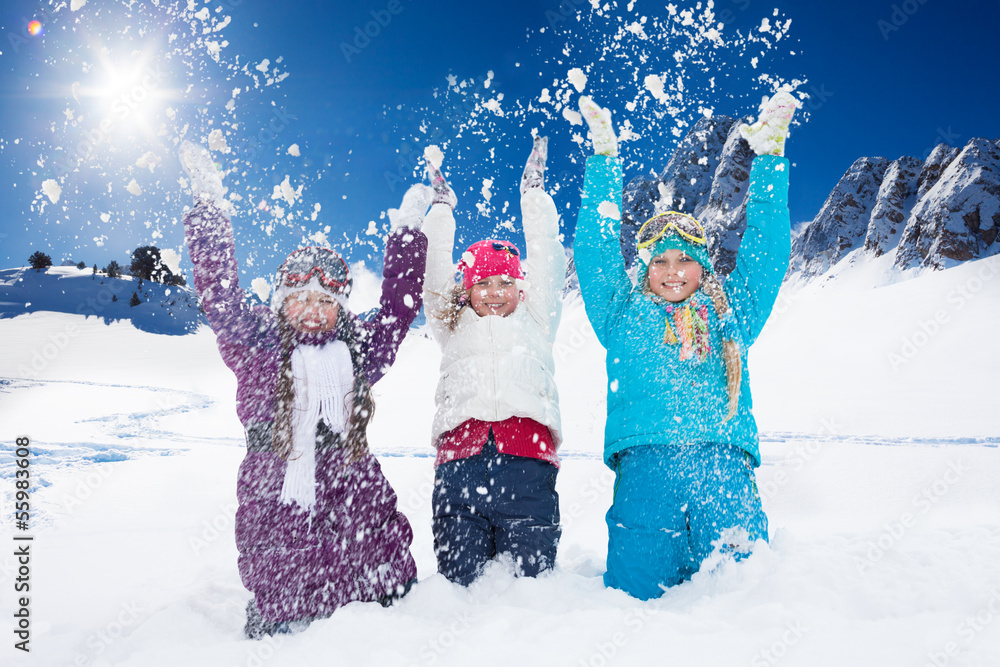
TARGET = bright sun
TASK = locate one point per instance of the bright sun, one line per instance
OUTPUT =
(127, 96)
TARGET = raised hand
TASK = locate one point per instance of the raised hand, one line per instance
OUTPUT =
(206, 181)
(534, 170)
(767, 136)
(602, 133)
(411, 211)
(443, 194)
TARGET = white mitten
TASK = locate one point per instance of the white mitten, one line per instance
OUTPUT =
(206, 181)
(411, 212)
(602, 133)
(443, 194)
(767, 136)
(534, 170)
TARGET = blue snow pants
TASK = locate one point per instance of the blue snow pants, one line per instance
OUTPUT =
(671, 503)
(494, 504)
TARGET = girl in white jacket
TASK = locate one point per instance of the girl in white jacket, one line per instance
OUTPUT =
(497, 427)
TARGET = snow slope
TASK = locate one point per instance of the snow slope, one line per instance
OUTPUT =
(881, 484)
(163, 309)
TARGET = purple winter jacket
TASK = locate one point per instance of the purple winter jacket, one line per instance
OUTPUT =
(355, 546)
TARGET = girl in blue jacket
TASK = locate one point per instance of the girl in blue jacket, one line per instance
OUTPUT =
(680, 432)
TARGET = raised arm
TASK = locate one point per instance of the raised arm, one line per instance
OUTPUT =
(545, 261)
(402, 283)
(439, 226)
(209, 235)
(604, 283)
(752, 287)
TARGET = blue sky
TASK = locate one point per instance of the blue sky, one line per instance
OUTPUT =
(887, 79)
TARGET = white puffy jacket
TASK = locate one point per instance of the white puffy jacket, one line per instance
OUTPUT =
(494, 368)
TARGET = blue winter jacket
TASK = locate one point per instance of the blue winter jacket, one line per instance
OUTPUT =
(653, 396)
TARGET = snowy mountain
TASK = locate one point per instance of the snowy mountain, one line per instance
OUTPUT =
(928, 215)
(163, 309)
(842, 222)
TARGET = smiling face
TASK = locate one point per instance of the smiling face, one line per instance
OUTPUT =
(496, 295)
(311, 312)
(674, 275)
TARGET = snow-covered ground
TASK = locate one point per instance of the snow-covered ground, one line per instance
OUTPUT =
(881, 479)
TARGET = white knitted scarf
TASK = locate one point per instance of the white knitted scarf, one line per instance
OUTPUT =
(324, 383)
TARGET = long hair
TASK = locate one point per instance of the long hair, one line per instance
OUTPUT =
(455, 303)
(730, 348)
(362, 406)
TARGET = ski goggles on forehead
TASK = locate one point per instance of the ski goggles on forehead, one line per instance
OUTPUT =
(326, 265)
(500, 247)
(683, 224)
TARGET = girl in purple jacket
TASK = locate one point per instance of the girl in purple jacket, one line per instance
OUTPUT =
(317, 525)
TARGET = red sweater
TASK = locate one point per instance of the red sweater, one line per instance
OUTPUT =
(517, 436)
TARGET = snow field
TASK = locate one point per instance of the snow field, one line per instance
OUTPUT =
(142, 572)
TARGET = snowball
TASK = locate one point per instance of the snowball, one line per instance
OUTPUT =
(293, 150)
(434, 156)
(609, 209)
(654, 85)
(469, 259)
(573, 117)
(52, 190)
(613, 386)
(134, 188)
(285, 191)
(105, 217)
(487, 184)
(578, 79)
(217, 142)
(544, 96)
(262, 67)
(150, 160)
(408, 301)
(171, 260)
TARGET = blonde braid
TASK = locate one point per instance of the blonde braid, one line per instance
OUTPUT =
(455, 304)
(284, 394)
(730, 348)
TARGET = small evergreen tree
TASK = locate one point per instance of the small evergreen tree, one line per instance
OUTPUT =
(81, 265)
(39, 260)
(114, 297)
(94, 274)
(113, 269)
(134, 301)
(148, 265)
